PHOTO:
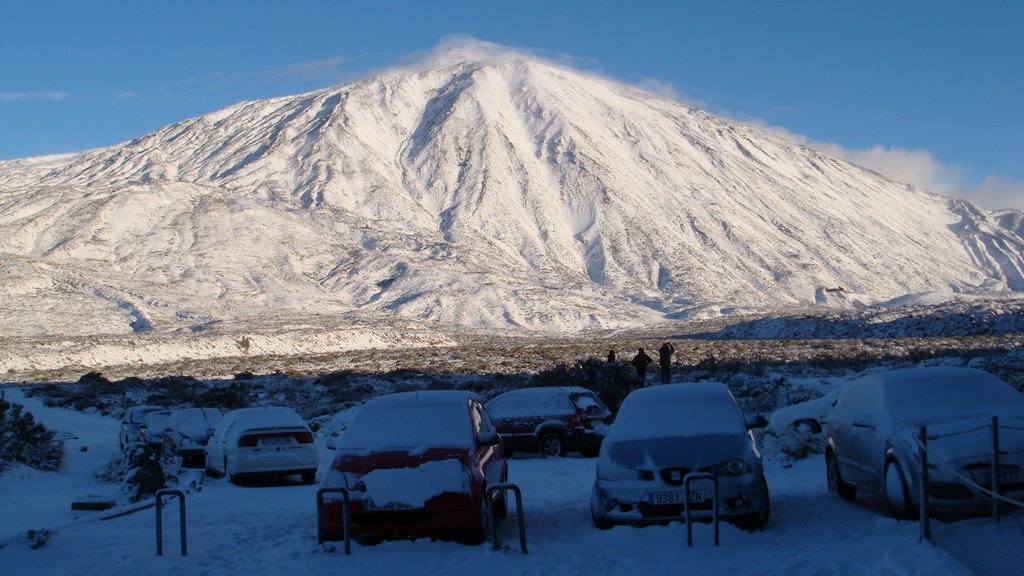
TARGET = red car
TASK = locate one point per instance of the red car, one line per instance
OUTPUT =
(416, 464)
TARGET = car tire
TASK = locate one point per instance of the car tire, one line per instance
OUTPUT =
(835, 480)
(597, 511)
(233, 478)
(760, 518)
(501, 505)
(897, 497)
(551, 445)
(483, 529)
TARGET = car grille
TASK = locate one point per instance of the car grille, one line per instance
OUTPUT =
(674, 476)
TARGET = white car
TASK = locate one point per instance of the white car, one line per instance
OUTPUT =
(151, 432)
(872, 436)
(268, 441)
(186, 433)
(660, 436)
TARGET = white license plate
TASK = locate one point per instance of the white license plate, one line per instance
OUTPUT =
(275, 441)
(669, 498)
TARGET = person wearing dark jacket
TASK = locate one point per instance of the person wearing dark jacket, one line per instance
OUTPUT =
(640, 362)
(665, 361)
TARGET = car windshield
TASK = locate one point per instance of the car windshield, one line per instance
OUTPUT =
(663, 415)
(408, 426)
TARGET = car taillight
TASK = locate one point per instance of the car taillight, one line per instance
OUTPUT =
(304, 437)
(248, 441)
(579, 420)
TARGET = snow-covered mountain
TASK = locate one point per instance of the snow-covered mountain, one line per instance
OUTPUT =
(478, 192)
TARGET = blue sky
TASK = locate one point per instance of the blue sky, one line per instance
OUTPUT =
(929, 92)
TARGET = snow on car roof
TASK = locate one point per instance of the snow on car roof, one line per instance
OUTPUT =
(411, 420)
(267, 417)
(672, 410)
(915, 393)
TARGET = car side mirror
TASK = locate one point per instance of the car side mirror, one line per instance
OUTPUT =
(757, 421)
(489, 439)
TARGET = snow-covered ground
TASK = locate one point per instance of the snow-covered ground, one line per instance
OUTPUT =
(272, 529)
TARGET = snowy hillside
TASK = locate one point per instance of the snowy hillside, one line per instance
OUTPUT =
(477, 192)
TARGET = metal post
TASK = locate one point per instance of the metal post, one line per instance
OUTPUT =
(519, 513)
(160, 524)
(995, 468)
(345, 520)
(686, 503)
(926, 529)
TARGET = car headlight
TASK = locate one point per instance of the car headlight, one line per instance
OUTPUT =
(734, 467)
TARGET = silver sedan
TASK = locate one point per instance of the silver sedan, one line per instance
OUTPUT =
(661, 436)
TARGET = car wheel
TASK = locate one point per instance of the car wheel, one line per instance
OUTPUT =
(897, 498)
(233, 478)
(760, 518)
(597, 511)
(483, 530)
(835, 481)
(551, 445)
(501, 504)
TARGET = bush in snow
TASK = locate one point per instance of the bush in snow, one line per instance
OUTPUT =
(144, 473)
(38, 538)
(23, 440)
(792, 442)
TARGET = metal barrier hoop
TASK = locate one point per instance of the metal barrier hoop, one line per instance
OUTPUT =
(159, 520)
(519, 509)
(345, 520)
(686, 503)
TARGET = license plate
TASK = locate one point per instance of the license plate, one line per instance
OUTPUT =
(389, 506)
(274, 441)
(669, 498)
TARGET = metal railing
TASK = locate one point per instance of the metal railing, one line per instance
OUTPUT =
(687, 514)
(160, 523)
(345, 520)
(504, 487)
(992, 491)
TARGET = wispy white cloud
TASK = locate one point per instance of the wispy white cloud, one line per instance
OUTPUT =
(918, 167)
(326, 71)
(19, 96)
(312, 70)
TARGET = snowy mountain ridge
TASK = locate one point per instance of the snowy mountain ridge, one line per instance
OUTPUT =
(483, 192)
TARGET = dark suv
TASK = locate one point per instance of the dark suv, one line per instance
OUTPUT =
(552, 421)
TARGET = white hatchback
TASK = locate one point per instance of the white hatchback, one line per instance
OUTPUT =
(267, 441)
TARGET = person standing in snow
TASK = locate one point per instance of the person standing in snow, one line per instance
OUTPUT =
(640, 362)
(665, 361)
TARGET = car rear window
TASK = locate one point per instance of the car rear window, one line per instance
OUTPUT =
(407, 426)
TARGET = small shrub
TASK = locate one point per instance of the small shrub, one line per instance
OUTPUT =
(25, 441)
(38, 538)
(144, 473)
